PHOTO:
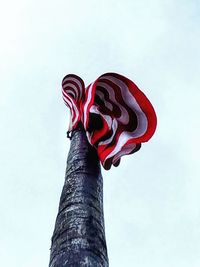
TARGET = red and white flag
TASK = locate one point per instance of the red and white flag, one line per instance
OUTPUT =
(115, 113)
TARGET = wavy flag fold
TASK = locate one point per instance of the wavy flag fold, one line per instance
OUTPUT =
(115, 113)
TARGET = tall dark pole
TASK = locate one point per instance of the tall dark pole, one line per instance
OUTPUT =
(79, 235)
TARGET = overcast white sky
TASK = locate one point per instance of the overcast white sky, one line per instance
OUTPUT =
(152, 200)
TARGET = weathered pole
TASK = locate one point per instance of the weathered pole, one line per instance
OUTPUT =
(79, 234)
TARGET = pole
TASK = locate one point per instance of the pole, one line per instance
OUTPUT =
(79, 234)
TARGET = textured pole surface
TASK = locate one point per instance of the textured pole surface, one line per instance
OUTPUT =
(79, 237)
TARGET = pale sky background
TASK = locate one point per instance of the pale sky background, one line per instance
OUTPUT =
(152, 200)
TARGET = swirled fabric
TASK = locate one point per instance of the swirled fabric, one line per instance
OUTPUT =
(73, 93)
(115, 113)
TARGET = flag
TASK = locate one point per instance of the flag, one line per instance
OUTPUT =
(115, 113)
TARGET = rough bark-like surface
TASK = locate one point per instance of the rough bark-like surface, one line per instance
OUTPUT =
(79, 237)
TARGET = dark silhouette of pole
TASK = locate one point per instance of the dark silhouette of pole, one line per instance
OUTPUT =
(79, 235)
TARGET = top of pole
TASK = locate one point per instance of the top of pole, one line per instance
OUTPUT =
(115, 113)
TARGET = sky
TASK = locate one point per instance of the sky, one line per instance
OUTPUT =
(152, 200)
